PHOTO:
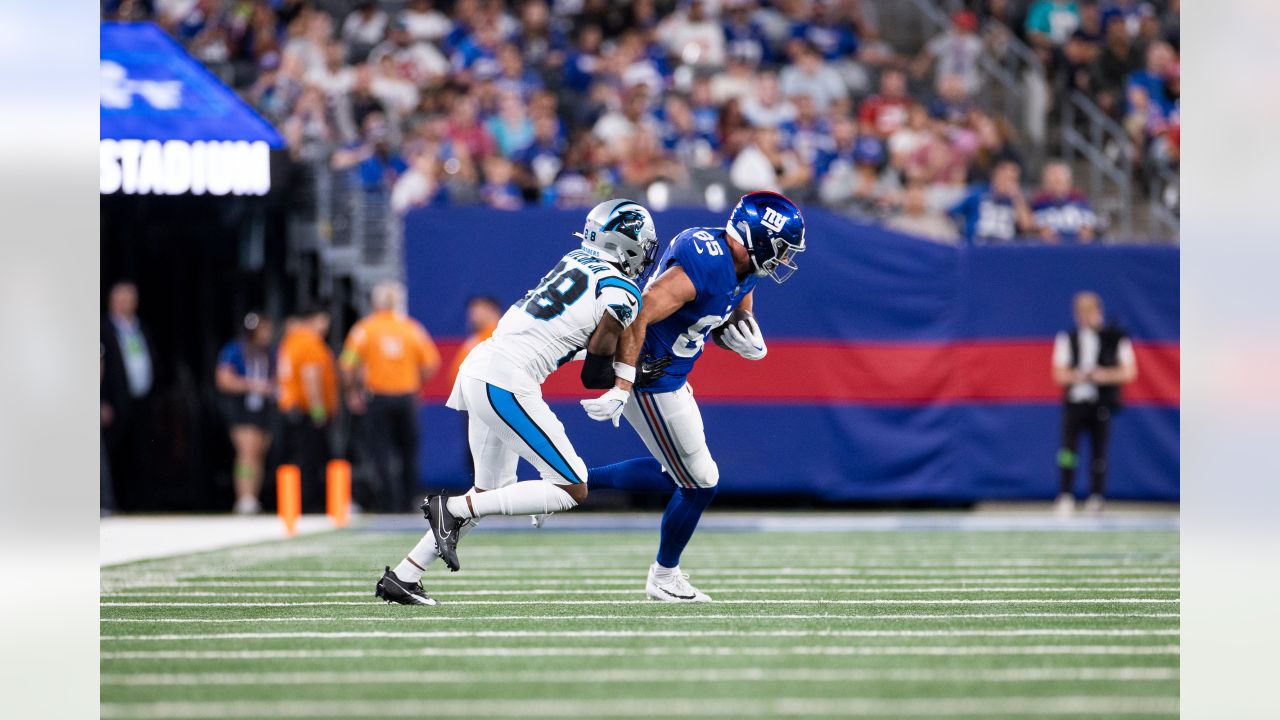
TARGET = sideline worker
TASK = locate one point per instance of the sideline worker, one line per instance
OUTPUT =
(1091, 363)
(483, 314)
(386, 359)
(308, 399)
(245, 377)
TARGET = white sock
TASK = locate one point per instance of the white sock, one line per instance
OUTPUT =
(662, 571)
(424, 553)
(522, 498)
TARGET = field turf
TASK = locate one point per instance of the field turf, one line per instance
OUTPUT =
(883, 624)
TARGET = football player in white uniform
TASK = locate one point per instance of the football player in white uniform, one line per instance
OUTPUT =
(584, 303)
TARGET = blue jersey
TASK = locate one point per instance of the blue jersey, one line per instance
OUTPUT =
(987, 217)
(1066, 216)
(703, 254)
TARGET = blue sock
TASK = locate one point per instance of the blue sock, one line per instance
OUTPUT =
(640, 474)
(679, 522)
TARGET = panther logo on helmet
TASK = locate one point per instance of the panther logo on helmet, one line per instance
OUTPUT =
(622, 232)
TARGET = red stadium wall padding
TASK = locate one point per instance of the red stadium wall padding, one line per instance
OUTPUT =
(822, 373)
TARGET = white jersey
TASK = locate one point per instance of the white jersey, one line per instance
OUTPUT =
(550, 324)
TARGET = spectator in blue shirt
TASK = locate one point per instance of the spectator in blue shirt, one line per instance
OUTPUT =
(1152, 78)
(995, 213)
(583, 62)
(706, 114)
(477, 53)
(743, 36)
(376, 163)
(500, 190)
(540, 162)
(1062, 212)
(952, 104)
(513, 76)
(833, 39)
(1128, 12)
(808, 132)
(541, 43)
(838, 156)
(682, 138)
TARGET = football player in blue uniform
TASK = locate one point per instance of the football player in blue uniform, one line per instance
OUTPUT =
(705, 277)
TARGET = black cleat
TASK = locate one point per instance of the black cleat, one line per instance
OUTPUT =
(445, 526)
(394, 590)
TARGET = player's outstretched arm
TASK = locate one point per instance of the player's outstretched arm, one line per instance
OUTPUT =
(597, 368)
(664, 296)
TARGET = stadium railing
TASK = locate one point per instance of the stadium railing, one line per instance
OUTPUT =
(1088, 134)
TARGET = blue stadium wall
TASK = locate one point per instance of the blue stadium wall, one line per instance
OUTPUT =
(899, 370)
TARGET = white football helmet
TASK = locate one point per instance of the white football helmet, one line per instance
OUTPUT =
(622, 232)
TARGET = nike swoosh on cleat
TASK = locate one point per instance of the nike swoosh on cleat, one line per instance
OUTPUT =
(681, 597)
(412, 595)
(440, 518)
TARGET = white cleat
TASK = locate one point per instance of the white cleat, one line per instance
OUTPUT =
(672, 586)
(1093, 505)
(540, 519)
(1065, 505)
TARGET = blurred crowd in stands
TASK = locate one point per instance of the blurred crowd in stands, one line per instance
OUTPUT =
(566, 102)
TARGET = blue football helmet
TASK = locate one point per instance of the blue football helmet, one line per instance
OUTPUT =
(772, 229)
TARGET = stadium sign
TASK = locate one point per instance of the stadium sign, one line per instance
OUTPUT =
(176, 167)
(169, 127)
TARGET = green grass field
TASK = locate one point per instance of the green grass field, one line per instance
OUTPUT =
(549, 623)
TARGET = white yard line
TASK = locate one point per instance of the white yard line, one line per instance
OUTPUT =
(639, 569)
(652, 651)
(362, 579)
(434, 618)
(630, 586)
(645, 707)
(600, 633)
(761, 601)
(304, 573)
(716, 589)
(637, 675)
(515, 563)
(559, 588)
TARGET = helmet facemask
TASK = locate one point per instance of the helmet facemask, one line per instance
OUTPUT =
(782, 265)
(637, 265)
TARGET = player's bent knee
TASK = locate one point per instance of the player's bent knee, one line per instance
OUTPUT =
(705, 472)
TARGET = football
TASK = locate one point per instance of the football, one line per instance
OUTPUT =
(738, 314)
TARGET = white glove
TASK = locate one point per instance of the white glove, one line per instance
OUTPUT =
(745, 339)
(608, 406)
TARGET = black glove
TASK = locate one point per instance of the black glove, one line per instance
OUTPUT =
(650, 370)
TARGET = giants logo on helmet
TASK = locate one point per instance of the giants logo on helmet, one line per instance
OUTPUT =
(773, 220)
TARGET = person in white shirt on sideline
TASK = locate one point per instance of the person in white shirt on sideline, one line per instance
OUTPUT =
(1091, 363)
